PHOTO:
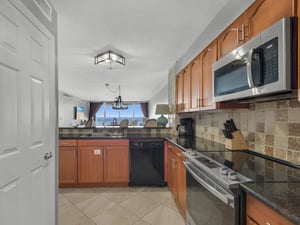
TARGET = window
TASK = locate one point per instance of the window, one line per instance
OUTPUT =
(106, 116)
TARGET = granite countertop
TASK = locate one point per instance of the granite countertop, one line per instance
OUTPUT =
(111, 136)
(282, 197)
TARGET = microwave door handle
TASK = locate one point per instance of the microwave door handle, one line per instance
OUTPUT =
(223, 197)
(249, 69)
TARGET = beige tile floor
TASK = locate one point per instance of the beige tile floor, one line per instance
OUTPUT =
(118, 206)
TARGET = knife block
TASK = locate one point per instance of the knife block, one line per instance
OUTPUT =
(237, 142)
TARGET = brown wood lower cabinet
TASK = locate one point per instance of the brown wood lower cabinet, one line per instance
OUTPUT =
(99, 162)
(260, 214)
(177, 177)
(67, 165)
(116, 164)
(67, 161)
(90, 164)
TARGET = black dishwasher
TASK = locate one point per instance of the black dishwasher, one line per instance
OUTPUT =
(147, 162)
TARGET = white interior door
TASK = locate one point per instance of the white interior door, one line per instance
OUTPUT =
(27, 133)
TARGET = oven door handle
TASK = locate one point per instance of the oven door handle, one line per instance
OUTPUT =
(226, 198)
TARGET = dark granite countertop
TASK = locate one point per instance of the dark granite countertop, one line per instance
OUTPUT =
(282, 197)
(111, 136)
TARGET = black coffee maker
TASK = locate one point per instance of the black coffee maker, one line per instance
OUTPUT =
(186, 127)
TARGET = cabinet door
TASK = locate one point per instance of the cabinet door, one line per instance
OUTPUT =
(172, 173)
(181, 186)
(67, 165)
(179, 93)
(232, 37)
(264, 13)
(90, 164)
(196, 83)
(208, 57)
(187, 89)
(116, 164)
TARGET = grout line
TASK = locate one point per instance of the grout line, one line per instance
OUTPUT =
(137, 192)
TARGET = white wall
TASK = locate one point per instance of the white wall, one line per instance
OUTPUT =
(66, 109)
(160, 98)
(225, 17)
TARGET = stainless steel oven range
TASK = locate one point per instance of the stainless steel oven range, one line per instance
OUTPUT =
(213, 193)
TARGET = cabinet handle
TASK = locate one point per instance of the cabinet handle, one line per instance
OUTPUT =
(178, 155)
(174, 164)
(74, 153)
(238, 36)
(243, 32)
(244, 36)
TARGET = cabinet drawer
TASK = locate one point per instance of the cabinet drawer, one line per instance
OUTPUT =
(259, 213)
(103, 142)
(68, 142)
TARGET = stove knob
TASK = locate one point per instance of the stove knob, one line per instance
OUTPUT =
(224, 170)
(193, 153)
(232, 176)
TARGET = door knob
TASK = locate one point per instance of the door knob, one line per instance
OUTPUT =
(48, 155)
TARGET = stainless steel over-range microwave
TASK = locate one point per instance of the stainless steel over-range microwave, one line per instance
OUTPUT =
(260, 67)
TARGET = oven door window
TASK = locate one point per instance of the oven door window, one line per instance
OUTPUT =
(204, 208)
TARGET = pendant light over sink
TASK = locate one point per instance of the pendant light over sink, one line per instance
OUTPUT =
(110, 60)
(117, 104)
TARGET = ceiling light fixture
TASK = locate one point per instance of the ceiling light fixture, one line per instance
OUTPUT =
(110, 60)
(117, 104)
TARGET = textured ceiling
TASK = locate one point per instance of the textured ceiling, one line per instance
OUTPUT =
(151, 34)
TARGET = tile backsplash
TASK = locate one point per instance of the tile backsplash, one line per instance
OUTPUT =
(271, 128)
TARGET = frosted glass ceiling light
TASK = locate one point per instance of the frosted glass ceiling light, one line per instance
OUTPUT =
(110, 60)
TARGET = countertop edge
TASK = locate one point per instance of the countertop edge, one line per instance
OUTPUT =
(277, 208)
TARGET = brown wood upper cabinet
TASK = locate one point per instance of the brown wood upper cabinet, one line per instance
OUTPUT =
(187, 88)
(179, 93)
(183, 94)
(259, 16)
(263, 13)
(196, 83)
(233, 36)
(207, 58)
